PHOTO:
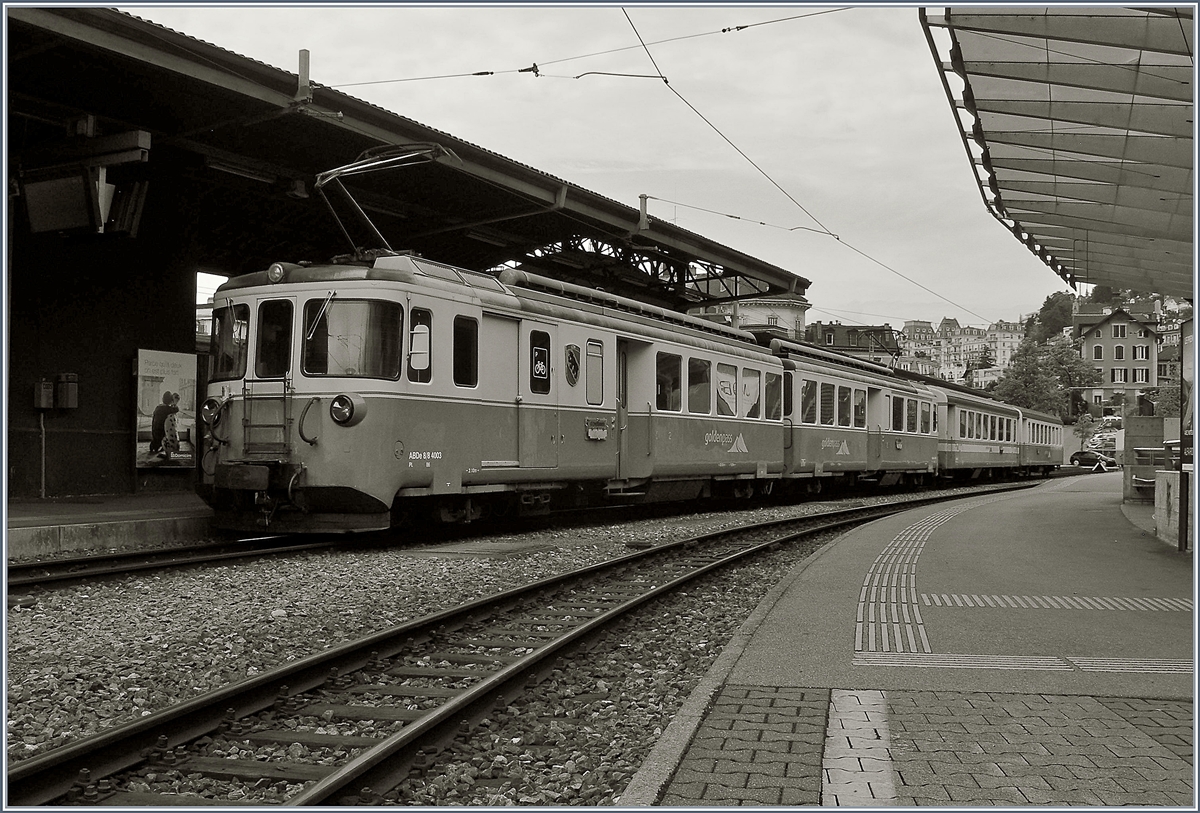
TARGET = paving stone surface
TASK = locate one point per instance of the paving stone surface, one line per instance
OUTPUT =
(762, 745)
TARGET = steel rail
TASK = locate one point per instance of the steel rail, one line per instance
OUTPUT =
(43, 779)
(39, 574)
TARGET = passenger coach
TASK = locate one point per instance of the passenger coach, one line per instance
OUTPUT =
(847, 417)
(349, 397)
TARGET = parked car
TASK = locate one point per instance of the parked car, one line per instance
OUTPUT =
(1090, 457)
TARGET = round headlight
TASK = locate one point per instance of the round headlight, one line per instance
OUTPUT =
(210, 411)
(347, 410)
(342, 409)
(275, 272)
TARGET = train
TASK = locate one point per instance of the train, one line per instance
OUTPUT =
(370, 392)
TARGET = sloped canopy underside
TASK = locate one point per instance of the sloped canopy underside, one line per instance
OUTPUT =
(1079, 125)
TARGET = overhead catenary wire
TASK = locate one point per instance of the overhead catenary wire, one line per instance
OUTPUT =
(537, 70)
(787, 194)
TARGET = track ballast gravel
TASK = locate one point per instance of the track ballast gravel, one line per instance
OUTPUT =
(90, 657)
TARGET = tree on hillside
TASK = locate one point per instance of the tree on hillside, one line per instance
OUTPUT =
(1055, 314)
(1103, 295)
(1070, 370)
(1027, 383)
(1046, 377)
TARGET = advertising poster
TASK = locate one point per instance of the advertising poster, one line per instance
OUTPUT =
(166, 410)
(1187, 388)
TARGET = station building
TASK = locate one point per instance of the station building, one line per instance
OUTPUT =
(139, 157)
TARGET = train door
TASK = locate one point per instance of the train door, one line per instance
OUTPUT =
(498, 361)
(622, 409)
(537, 397)
(266, 417)
(879, 410)
(635, 389)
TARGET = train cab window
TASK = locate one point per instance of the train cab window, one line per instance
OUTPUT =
(808, 401)
(699, 386)
(727, 389)
(420, 347)
(897, 414)
(843, 405)
(827, 404)
(751, 393)
(860, 409)
(788, 399)
(773, 397)
(669, 382)
(539, 361)
(925, 424)
(273, 350)
(910, 424)
(466, 351)
(594, 372)
(355, 338)
(228, 350)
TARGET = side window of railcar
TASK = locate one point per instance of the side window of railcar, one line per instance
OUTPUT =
(994, 436)
(727, 389)
(773, 396)
(228, 349)
(594, 372)
(699, 386)
(808, 401)
(910, 424)
(751, 394)
(925, 425)
(420, 346)
(962, 423)
(843, 405)
(827, 403)
(466, 351)
(273, 350)
(355, 338)
(669, 382)
(539, 361)
(788, 383)
(860, 408)
(897, 414)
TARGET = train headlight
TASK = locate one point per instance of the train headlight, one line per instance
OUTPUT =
(210, 411)
(275, 272)
(347, 410)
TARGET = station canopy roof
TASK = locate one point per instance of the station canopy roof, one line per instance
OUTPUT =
(256, 138)
(1078, 122)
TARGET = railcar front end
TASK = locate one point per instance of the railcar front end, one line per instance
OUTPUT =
(303, 372)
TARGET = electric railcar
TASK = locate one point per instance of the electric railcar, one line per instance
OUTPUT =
(350, 397)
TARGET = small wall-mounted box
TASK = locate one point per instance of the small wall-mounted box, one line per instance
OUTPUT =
(43, 394)
(66, 391)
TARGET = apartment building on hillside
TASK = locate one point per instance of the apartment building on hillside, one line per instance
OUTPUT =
(1123, 349)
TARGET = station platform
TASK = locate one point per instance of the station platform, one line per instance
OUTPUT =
(1028, 648)
(79, 525)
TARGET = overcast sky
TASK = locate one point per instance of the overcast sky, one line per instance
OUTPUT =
(811, 120)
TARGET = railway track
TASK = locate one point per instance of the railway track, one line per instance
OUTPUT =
(296, 730)
(29, 576)
(25, 578)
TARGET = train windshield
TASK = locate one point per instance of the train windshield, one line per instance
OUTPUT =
(229, 342)
(356, 338)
